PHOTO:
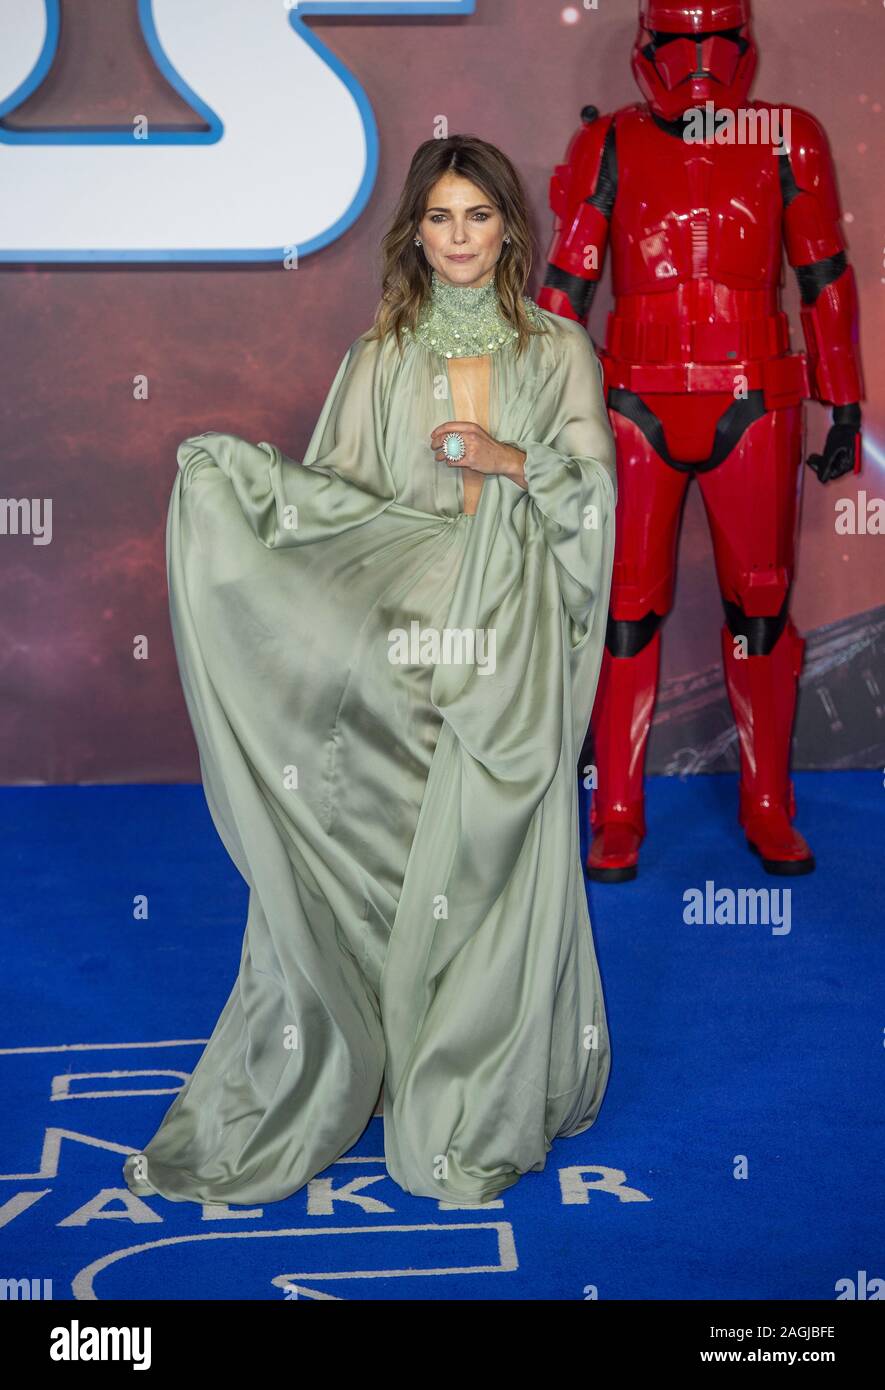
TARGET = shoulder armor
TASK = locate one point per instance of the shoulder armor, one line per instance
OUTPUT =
(577, 178)
(809, 159)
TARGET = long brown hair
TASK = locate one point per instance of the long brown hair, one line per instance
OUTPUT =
(406, 272)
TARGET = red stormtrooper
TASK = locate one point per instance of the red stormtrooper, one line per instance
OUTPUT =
(701, 382)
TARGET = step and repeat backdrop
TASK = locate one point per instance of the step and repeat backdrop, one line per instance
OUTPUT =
(192, 198)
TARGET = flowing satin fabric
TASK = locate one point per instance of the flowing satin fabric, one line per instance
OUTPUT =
(408, 832)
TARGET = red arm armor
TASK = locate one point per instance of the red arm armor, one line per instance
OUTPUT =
(816, 248)
(581, 195)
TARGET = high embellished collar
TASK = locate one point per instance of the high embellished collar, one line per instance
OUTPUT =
(465, 320)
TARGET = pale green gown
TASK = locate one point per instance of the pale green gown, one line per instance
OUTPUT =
(409, 833)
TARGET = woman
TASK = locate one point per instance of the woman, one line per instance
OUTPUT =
(389, 652)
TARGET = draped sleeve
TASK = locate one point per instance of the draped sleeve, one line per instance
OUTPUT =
(571, 476)
(344, 478)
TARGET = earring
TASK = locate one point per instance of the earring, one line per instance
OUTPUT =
(417, 241)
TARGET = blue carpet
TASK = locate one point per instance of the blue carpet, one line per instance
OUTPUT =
(738, 1153)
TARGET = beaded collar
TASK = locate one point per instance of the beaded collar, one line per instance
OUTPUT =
(465, 321)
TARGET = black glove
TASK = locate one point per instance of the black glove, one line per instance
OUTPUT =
(838, 455)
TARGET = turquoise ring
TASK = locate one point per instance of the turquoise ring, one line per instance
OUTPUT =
(454, 446)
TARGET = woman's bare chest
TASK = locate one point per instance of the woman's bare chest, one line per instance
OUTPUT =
(470, 382)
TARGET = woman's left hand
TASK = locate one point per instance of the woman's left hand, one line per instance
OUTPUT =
(484, 454)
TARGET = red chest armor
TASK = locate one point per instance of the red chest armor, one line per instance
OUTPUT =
(687, 211)
(699, 231)
(696, 240)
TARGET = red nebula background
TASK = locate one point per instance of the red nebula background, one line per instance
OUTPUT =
(252, 350)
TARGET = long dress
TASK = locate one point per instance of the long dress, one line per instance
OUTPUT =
(402, 806)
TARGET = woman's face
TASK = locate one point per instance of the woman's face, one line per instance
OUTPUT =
(462, 232)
